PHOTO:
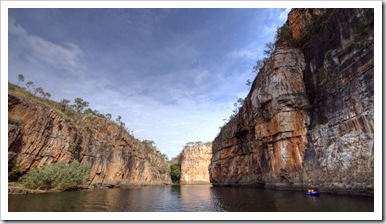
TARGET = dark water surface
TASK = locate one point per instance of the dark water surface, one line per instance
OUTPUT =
(193, 198)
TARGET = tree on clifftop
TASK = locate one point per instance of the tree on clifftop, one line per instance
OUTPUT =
(39, 90)
(20, 77)
(80, 104)
(64, 104)
(29, 84)
(120, 122)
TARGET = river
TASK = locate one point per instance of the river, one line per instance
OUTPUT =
(187, 198)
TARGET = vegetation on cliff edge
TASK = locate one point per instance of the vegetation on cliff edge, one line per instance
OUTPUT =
(81, 116)
(58, 176)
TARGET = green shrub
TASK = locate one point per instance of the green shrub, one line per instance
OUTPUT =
(284, 33)
(149, 145)
(175, 173)
(59, 176)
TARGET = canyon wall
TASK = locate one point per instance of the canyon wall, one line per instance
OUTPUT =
(39, 135)
(308, 118)
(194, 164)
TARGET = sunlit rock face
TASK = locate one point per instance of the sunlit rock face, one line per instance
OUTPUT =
(39, 135)
(194, 164)
(264, 143)
(308, 120)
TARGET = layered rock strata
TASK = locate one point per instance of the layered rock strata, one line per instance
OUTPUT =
(194, 164)
(265, 142)
(340, 84)
(39, 136)
(308, 119)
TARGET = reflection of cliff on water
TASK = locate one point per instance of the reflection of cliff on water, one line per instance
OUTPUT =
(265, 200)
(56, 202)
(136, 199)
(199, 198)
(187, 198)
(253, 200)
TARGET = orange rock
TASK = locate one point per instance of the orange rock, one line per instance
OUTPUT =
(40, 135)
(194, 164)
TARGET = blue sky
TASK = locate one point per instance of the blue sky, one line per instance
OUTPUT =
(172, 74)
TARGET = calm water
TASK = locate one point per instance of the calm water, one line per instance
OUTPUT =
(194, 198)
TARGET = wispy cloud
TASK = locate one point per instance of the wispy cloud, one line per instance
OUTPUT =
(276, 18)
(67, 56)
(243, 54)
(173, 75)
(284, 14)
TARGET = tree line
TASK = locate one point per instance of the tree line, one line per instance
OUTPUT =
(80, 105)
(31, 87)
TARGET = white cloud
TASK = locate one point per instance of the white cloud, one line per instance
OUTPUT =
(243, 54)
(276, 18)
(67, 57)
(270, 29)
(200, 76)
(170, 85)
(283, 15)
(15, 29)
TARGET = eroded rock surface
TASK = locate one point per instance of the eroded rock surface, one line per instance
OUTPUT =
(39, 135)
(194, 164)
(264, 143)
(308, 118)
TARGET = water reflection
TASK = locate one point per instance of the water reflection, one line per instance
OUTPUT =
(199, 198)
(265, 200)
(193, 198)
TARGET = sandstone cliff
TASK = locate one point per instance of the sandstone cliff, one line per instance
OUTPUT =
(40, 134)
(195, 160)
(308, 118)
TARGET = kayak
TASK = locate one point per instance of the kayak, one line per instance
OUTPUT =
(314, 193)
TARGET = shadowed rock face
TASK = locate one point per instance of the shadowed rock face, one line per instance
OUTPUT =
(38, 136)
(194, 164)
(340, 84)
(308, 118)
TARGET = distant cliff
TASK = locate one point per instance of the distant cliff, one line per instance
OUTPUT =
(42, 132)
(195, 160)
(308, 118)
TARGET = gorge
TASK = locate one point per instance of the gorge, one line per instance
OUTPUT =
(308, 120)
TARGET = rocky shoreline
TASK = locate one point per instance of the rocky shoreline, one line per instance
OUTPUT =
(17, 189)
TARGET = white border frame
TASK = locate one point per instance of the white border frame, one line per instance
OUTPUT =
(376, 215)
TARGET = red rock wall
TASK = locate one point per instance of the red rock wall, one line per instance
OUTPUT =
(308, 118)
(194, 164)
(39, 136)
(264, 143)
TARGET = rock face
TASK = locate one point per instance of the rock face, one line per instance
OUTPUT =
(39, 135)
(194, 164)
(340, 85)
(308, 119)
(265, 142)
